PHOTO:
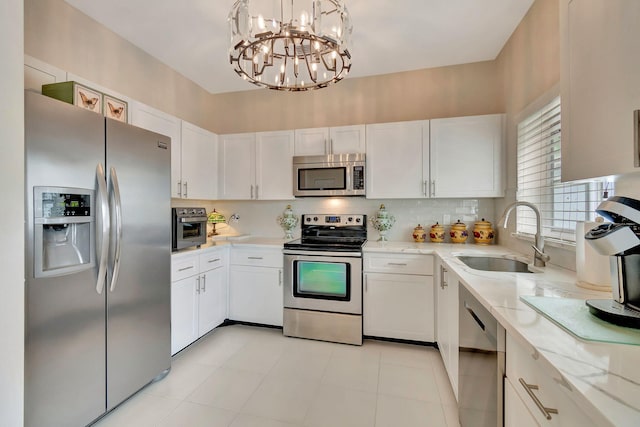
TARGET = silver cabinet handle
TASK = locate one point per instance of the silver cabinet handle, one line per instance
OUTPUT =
(433, 188)
(257, 197)
(254, 257)
(397, 264)
(424, 188)
(252, 191)
(198, 284)
(179, 188)
(330, 146)
(280, 277)
(443, 282)
(204, 283)
(213, 260)
(529, 389)
(105, 230)
(185, 189)
(185, 268)
(118, 212)
(366, 284)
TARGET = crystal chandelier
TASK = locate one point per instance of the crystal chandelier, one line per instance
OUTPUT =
(290, 45)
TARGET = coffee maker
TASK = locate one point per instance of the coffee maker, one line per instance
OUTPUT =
(620, 240)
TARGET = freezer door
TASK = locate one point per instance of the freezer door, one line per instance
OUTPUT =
(65, 315)
(139, 273)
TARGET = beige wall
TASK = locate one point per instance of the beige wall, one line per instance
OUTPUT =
(58, 34)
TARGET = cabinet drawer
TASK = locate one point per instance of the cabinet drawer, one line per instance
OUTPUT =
(546, 385)
(257, 257)
(182, 267)
(399, 264)
(211, 260)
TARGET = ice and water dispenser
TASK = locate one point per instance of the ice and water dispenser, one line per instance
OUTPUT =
(64, 230)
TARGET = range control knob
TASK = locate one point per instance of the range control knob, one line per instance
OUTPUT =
(358, 219)
(315, 219)
(308, 219)
(350, 219)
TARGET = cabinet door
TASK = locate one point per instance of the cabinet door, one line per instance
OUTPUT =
(311, 142)
(38, 73)
(199, 163)
(156, 121)
(397, 160)
(212, 300)
(255, 295)
(347, 139)
(600, 41)
(274, 176)
(184, 309)
(447, 322)
(236, 163)
(515, 411)
(466, 156)
(398, 306)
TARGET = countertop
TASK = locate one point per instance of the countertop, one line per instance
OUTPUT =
(243, 240)
(605, 376)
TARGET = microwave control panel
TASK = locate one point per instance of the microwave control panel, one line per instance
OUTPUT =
(358, 177)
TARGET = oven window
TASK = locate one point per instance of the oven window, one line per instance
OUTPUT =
(322, 280)
(322, 179)
(192, 230)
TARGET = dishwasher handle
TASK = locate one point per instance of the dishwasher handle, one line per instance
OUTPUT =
(475, 316)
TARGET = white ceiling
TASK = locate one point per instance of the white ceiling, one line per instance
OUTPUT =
(388, 36)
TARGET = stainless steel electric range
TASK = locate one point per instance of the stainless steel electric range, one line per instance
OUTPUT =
(323, 279)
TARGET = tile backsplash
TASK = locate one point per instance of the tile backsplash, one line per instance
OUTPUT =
(259, 217)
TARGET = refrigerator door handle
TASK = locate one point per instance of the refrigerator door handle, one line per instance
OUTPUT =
(103, 233)
(118, 224)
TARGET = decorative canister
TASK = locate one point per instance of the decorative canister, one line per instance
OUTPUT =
(458, 232)
(288, 221)
(382, 222)
(482, 232)
(437, 233)
(419, 234)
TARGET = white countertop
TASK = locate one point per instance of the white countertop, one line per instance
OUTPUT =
(235, 240)
(606, 376)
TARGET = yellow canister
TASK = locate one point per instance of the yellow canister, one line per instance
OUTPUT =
(483, 233)
(458, 232)
(419, 234)
(436, 234)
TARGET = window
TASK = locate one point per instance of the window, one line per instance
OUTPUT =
(539, 166)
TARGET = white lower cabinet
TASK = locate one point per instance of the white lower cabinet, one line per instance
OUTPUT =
(447, 320)
(198, 295)
(537, 394)
(398, 297)
(255, 286)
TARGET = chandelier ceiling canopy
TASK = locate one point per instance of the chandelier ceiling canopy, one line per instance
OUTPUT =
(290, 45)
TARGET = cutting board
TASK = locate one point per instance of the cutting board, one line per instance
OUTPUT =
(573, 315)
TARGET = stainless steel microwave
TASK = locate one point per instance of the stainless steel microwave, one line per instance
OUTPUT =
(329, 175)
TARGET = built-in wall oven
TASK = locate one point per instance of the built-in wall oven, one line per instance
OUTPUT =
(188, 227)
(323, 279)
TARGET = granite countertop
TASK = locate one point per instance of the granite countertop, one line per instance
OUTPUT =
(605, 375)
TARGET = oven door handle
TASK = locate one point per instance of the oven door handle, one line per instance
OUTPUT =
(193, 219)
(323, 253)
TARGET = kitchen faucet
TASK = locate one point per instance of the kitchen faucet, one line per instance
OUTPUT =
(539, 257)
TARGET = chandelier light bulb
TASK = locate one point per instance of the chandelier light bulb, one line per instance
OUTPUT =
(314, 37)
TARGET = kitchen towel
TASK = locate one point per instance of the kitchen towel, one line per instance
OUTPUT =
(592, 269)
(573, 315)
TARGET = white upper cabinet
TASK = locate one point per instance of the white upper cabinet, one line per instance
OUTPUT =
(38, 73)
(256, 166)
(199, 163)
(156, 121)
(335, 140)
(467, 156)
(600, 65)
(397, 160)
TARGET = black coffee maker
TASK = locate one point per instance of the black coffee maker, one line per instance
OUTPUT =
(620, 240)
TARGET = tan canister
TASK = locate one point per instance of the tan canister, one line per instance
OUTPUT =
(483, 233)
(419, 234)
(458, 232)
(436, 234)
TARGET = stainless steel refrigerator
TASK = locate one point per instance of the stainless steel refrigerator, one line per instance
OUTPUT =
(98, 242)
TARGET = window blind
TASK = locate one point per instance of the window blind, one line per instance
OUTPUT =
(539, 166)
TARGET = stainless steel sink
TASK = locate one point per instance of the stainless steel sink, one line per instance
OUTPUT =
(488, 263)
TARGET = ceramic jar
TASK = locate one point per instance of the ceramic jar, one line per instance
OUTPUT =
(458, 232)
(436, 234)
(483, 233)
(288, 221)
(382, 222)
(419, 234)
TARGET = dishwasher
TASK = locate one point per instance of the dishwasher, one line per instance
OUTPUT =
(481, 369)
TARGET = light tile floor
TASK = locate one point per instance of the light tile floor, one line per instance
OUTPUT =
(241, 376)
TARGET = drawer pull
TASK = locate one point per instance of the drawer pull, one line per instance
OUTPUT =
(213, 260)
(254, 257)
(185, 268)
(400, 264)
(529, 389)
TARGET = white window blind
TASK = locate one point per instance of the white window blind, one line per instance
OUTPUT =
(539, 167)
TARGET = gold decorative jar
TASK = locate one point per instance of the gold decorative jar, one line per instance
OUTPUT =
(419, 234)
(483, 233)
(458, 232)
(436, 234)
